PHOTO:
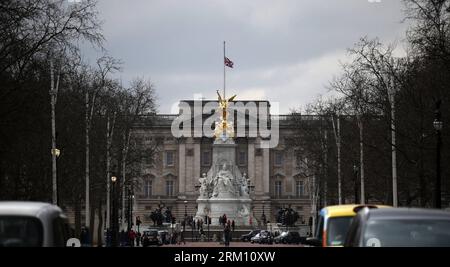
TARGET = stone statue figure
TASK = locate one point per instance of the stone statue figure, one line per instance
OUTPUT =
(223, 182)
(243, 211)
(203, 186)
(244, 186)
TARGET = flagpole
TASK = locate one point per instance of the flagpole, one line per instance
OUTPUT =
(224, 71)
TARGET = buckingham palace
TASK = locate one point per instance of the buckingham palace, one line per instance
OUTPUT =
(171, 180)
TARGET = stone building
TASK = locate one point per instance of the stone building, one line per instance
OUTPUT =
(172, 179)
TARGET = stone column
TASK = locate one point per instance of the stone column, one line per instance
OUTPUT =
(266, 171)
(251, 161)
(182, 169)
(197, 166)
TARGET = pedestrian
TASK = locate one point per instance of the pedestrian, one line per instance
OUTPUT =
(175, 237)
(138, 239)
(122, 238)
(182, 238)
(233, 225)
(224, 219)
(145, 240)
(131, 237)
(108, 237)
(83, 237)
(226, 234)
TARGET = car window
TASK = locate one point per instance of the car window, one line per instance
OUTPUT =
(407, 233)
(337, 229)
(60, 232)
(319, 230)
(20, 231)
(354, 231)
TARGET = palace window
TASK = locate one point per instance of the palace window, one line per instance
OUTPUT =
(300, 161)
(299, 188)
(170, 158)
(242, 158)
(278, 158)
(148, 186)
(278, 189)
(206, 158)
(169, 188)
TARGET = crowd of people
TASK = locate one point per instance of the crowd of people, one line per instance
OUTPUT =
(132, 238)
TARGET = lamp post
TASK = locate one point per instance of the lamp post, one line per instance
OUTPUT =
(55, 155)
(114, 213)
(250, 190)
(438, 124)
(355, 173)
(130, 208)
(208, 219)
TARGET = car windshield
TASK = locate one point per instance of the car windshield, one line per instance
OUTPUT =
(337, 230)
(20, 232)
(407, 233)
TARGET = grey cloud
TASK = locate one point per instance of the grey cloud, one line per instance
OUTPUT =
(179, 43)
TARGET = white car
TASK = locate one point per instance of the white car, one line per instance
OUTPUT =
(32, 224)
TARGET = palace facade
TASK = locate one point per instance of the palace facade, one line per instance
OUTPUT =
(171, 179)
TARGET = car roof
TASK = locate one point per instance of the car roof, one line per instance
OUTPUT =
(409, 213)
(344, 210)
(24, 208)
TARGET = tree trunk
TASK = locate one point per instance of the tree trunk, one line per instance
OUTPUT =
(87, 203)
(325, 169)
(92, 225)
(394, 151)
(53, 103)
(100, 224)
(361, 154)
(109, 137)
(108, 173)
(338, 145)
(77, 218)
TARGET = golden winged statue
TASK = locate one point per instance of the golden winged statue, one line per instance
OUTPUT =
(224, 128)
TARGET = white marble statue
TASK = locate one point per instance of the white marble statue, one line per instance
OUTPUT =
(243, 211)
(223, 182)
(244, 187)
(203, 186)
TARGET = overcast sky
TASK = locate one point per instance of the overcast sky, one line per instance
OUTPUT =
(283, 51)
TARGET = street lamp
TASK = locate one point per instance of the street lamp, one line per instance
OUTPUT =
(208, 213)
(355, 173)
(114, 213)
(130, 208)
(438, 125)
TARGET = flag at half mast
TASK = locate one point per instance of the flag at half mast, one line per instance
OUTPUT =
(228, 62)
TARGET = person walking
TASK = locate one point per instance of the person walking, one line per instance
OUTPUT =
(233, 225)
(227, 235)
(182, 238)
(138, 239)
(131, 237)
(145, 240)
(122, 238)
